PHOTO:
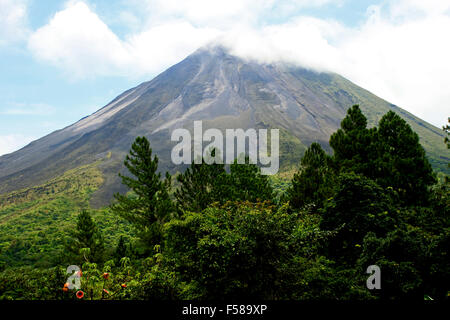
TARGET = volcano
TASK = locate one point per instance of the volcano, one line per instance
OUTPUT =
(222, 90)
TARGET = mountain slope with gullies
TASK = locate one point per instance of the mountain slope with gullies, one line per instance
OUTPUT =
(224, 91)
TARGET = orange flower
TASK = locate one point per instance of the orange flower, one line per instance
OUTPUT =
(80, 294)
(80, 273)
(123, 285)
(65, 289)
(106, 291)
(106, 275)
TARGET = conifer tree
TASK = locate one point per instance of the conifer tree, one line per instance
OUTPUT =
(121, 250)
(149, 205)
(200, 185)
(390, 154)
(352, 143)
(312, 183)
(401, 161)
(246, 183)
(86, 235)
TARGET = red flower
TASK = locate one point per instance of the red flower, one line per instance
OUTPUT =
(106, 275)
(123, 285)
(80, 273)
(106, 291)
(80, 294)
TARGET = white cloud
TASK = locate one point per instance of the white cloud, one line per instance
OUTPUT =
(404, 61)
(78, 41)
(302, 41)
(13, 142)
(13, 21)
(223, 14)
(400, 52)
(163, 45)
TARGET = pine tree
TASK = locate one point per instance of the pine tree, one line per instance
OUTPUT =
(121, 250)
(246, 183)
(313, 182)
(86, 235)
(200, 185)
(353, 143)
(391, 154)
(401, 161)
(149, 205)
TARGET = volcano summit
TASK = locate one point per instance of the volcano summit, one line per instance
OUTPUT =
(224, 92)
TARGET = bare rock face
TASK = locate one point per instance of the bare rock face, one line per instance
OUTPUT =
(222, 90)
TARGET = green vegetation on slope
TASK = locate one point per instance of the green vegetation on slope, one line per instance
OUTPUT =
(226, 235)
(34, 222)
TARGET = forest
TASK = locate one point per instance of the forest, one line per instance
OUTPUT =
(227, 232)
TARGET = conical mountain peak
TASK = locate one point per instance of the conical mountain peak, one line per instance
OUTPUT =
(223, 91)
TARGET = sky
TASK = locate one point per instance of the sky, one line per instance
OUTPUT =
(63, 60)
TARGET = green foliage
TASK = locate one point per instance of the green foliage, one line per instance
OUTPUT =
(413, 262)
(200, 185)
(401, 161)
(246, 183)
(150, 205)
(446, 129)
(358, 206)
(34, 221)
(27, 283)
(390, 154)
(374, 201)
(86, 235)
(312, 184)
(352, 143)
(246, 250)
(121, 250)
(203, 184)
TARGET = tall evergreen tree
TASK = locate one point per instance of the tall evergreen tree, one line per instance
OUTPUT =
(246, 183)
(203, 184)
(86, 235)
(121, 250)
(149, 205)
(312, 183)
(390, 154)
(352, 143)
(200, 185)
(401, 161)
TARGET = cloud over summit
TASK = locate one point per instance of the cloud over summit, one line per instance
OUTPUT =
(399, 51)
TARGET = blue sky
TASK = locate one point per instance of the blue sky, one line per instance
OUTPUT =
(63, 60)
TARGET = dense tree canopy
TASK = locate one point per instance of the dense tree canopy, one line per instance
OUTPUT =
(222, 233)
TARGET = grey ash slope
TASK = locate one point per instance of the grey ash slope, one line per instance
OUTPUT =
(222, 90)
